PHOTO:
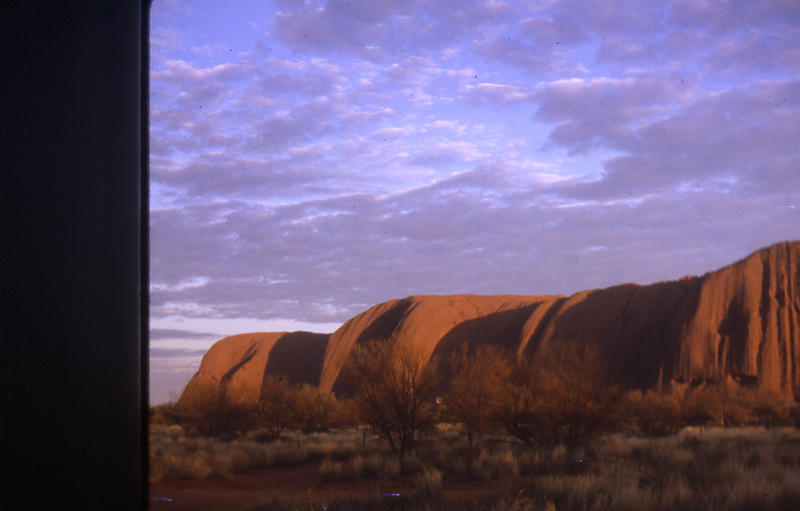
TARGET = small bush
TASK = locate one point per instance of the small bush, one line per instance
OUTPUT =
(494, 465)
(411, 465)
(428, 483)
(520, 502)
(373, 466)
(164, 414)
(206, 409)
(716, 405)
(377, 466)
(503, 464)
(330, 471)
(176, 456)
(793, 414)
(654, 414)
(396, 392)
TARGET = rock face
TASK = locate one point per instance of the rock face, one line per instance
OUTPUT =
(740, 325)
(240, 362)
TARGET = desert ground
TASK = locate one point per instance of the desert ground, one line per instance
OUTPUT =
(743, 468)
(298, 485)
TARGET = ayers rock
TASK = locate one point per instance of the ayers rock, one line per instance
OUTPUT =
(739, 325)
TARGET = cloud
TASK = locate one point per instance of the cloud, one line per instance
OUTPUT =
(605, 111)
(608, 18)
(445, 154)
(735, 141)
(304, 123)
(339, 26)
(161, 353)
(157, 334)
(221, 174)
(526, 148)
(555, 30)
(729, 16)
(533, 59)
(556, 36)
(313, 77)
(759, 51)
(382, 30)
(497, 231)
(178, 71)
(394, 132)
(496, 93)
(413, 70)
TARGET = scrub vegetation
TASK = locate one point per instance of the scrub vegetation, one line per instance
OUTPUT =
(698, 468)
(552, 435)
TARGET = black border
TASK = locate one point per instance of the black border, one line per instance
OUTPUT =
(74, 254)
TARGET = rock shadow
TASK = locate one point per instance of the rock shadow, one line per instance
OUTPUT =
(298, 356)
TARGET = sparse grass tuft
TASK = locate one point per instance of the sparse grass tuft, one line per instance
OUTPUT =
(429, 483)
(175, 456)
(520, 502)
(699, 468)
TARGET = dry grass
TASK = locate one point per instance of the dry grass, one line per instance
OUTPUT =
(373, 466)
(735, 469)
(739, 469)
(175, 456)
(428, 484)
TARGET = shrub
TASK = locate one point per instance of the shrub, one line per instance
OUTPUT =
(165, 413)
(794, 415)
(330, 471)
(771, 410)
(714, 405)
(276, 408)
(654, 414)
(359, 467)
(377, 466)
(174, 456)
(479, 382)
(395, 392)
(411, 465)
(520, 502)
(494, 465)
(206, 409)
(313, 410)
(560, 396)
(428, 483)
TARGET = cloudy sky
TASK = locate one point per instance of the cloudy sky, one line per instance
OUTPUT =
(311, 159)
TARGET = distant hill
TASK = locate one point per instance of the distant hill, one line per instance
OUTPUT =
(739, 324)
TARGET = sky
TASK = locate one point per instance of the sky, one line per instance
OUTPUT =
(311, 159)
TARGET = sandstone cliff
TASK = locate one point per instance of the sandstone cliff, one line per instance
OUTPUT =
(240, 362)
(740, 324)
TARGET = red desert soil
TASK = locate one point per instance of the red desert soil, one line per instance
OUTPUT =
(253, 490)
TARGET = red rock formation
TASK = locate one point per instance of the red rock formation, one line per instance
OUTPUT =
(241, 361)
(740, 324)
(746, 324)
(424, 322)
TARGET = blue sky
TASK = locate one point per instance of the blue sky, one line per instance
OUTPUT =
(311, 159)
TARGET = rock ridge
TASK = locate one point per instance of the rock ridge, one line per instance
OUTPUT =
(739, 325)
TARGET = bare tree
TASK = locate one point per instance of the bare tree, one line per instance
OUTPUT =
(578, 401)
(207, 409)
(395, 392)
(480, 380)
(313, 409)
(560, 396)
(276, 405)
(520, 409)
(653, 413)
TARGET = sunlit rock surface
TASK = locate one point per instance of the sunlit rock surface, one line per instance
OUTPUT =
(739, 324)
